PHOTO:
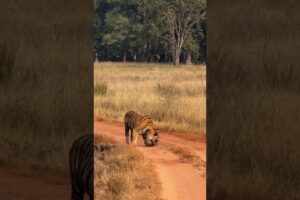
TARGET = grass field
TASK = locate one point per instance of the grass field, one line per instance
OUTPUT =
(175, 97)
(123, 173)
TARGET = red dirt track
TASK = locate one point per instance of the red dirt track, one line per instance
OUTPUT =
(16, 187)
(180, 180)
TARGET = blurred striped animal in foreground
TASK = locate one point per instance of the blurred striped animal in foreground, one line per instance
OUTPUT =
(140, 125)
(81, 161)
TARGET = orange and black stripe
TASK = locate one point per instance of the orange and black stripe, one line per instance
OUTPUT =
(140, 125)
(81, 160)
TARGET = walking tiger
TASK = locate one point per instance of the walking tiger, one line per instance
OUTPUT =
(140, 125)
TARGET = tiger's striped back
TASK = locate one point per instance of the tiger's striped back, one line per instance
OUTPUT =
(134, 120)
(81, 160)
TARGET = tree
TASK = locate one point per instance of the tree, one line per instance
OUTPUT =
(181, 17)
(146, 30)
(117, 28)
(190, 48)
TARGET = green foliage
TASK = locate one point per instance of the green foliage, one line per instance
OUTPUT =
(116, 28)
(138, 30)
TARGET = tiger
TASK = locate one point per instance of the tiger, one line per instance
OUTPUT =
(140, 125)
(81, 163)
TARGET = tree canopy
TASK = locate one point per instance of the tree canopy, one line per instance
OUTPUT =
(150, 31)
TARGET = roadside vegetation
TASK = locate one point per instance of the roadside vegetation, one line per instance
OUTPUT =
(123, 173)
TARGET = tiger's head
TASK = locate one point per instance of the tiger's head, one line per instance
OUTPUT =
(149, 139)
(155, 138)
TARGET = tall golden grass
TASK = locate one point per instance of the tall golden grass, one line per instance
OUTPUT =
(173, 96)
(46, 81)
(253, 100)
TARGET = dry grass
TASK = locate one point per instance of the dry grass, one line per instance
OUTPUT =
(173, 96)
(45, 82)
(253, 100)
(124, 174)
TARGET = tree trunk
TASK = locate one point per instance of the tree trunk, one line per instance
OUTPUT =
(188, 59)
(124, 56)
(176, 58)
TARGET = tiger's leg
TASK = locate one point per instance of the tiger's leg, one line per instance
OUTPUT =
(134, 137)
(131, 136)
(127, 135)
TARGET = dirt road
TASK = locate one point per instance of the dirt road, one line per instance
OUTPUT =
(18, 187)
(180, 180)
